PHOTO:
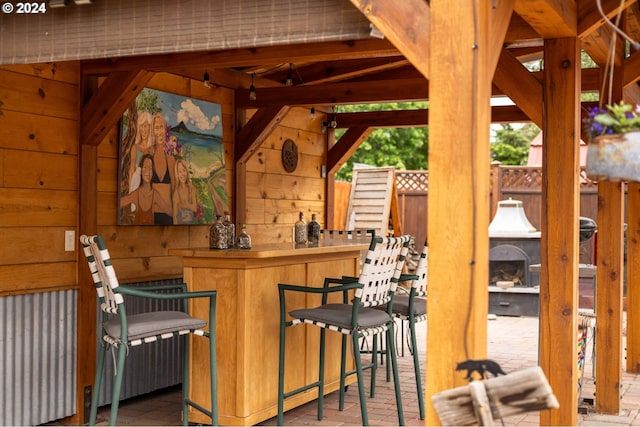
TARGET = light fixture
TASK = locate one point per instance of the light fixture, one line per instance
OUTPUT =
(333, 123)
(252, 90)
(312, 112)
(289, 81)
(375, 32)
(205, 80)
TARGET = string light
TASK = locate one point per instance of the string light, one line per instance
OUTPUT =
(289, 81)
(205, 80)
(334, 123)
(312, 112)
(252, 90)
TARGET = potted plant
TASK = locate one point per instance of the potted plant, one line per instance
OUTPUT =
(613, 151)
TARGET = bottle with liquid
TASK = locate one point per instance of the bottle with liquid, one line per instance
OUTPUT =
(313, 230)
(300, 230)
(244, 240)
(218, 235)
(231, 230)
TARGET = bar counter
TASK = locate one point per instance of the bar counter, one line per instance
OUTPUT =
(248, 322)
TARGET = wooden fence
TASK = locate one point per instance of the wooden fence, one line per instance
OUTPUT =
(516, 182)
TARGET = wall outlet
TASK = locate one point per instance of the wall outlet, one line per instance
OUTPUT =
(69, 240)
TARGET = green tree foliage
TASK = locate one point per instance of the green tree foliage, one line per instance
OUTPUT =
(511, 146)
(402, 148)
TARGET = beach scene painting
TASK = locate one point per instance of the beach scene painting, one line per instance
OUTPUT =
(171, 161)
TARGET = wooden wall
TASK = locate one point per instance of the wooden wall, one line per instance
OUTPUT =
(39, 182)
(38, 176)
(274, 196)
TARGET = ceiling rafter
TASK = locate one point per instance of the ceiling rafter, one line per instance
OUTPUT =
(550, 18)
(108, 104)
(589, 17)
(520, 85)
(336, 93)
(252, 134)
(310, 52)
(402, 23)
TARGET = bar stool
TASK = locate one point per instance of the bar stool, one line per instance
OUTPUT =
(119, 331)
(357, 317)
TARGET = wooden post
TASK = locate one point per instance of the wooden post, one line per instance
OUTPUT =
(609, 297)
(87, 224)
(559, 224)
(633, 278)
(459, 118)
(609, 270)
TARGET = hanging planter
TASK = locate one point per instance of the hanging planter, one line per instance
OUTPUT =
(614, 157)
(613, 153)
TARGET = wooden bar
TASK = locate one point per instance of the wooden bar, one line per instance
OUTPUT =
(248, 324)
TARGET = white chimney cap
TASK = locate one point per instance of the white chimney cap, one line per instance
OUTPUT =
(511, 221)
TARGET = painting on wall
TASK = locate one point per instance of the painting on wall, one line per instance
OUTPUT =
(171, 165)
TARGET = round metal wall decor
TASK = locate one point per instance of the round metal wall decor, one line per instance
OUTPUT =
(289, 155)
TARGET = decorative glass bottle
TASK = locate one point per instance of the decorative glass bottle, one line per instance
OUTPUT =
(244, 240)
(313, 230)
(231, 230)
(300, 230)
(218, 235)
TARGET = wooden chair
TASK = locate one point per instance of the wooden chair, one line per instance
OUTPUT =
(358, 318)
(120, 331)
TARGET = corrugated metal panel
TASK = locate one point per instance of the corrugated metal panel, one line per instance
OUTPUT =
(149, 367)
(37, 357)
(112, 28)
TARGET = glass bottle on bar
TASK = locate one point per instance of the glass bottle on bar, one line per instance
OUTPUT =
(300, 230)
(313, 230)
(218, 234)
(231, 230)
(244, 240)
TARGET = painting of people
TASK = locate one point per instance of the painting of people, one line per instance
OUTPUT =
(171, 161)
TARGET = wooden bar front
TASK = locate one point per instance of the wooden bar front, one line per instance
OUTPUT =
(248, 325)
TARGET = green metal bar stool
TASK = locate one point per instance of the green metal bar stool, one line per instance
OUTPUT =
(358, 318)
(119, 331)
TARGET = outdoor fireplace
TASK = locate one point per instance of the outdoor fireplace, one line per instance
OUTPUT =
(514, 245)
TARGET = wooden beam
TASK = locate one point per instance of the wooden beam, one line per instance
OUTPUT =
(395, 118)
(256, 130)
(632, 69)
(459, 86)
(418, 118)
(598, 45)
(589, 17)
(336, 71)
(631, 94)
(405, 24)
(345, 147)
(550, 18)
(521, 32)
(110, 101)
(500, 18)
(520, 85)
(559, 224)
(393, 87)
(633, 278)
(337, 93)
(246, 57)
